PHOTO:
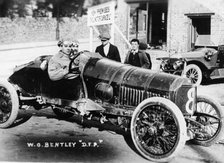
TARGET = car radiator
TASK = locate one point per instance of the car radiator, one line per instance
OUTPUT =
(132, 96)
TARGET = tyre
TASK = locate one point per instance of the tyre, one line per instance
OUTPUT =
(129, 142)
(62, 112)
(158, 129)
(194, 73)
(9, 104)
(211, 117)
(20, 121)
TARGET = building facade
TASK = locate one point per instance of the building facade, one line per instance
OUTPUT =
(174, 25)
(180, 25)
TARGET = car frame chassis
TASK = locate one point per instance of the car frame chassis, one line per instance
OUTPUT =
(155, 112)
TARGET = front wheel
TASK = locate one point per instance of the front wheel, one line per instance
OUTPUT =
(194, 73)
(158, 129)
(129, 142)
(211, 116)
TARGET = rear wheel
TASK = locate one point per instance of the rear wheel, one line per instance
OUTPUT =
(20, 121)
(211, 116)
(158, 129)
(9, 104)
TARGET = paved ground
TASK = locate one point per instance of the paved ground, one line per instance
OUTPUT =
(44, 132)
(38, 139)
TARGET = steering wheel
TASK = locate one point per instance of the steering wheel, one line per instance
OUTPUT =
(74, 69)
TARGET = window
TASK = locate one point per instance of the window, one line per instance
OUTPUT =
(200, 29)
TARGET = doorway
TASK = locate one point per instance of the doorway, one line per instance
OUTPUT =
(138, 21)
(157, 23)
(148, 21)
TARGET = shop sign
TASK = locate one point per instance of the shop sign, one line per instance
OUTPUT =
(101, 14)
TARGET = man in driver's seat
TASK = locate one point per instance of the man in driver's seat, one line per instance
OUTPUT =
(58, 66)
(63, 68)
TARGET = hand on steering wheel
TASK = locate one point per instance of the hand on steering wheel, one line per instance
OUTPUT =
(73, 69)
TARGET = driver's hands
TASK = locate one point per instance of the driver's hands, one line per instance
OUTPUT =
(74, 70)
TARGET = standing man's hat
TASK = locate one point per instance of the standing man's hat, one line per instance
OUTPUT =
(104, 36)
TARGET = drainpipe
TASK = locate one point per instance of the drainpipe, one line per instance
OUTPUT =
(137, 23)
(58, 20)
(169, 34)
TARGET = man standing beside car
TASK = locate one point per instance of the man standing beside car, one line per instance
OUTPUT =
(106, 49)
(136, 57)
(143, 47)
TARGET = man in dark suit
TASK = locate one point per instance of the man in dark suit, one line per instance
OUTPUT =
(137, 57)
(106, 49)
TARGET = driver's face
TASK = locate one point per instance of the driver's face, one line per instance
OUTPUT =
(66, 48)
(75, 47)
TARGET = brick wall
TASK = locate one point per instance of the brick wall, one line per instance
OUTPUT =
(21, 30)
(178, 23)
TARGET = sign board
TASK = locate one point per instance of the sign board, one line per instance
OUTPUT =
(101, 14)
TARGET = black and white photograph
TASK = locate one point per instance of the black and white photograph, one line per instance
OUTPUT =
(112, 81)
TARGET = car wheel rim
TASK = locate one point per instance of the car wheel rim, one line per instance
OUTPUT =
(5, 105)
(156, 130)
(208, 117)
(192, 74)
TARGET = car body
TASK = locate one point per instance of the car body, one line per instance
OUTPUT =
(155, 112)
(198, 65)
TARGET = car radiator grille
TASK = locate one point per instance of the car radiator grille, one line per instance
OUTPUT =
(132, 96)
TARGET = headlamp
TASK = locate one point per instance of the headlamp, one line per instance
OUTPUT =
(177, 64)
(163, 65)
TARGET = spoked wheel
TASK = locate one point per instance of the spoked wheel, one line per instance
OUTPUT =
(158, 129)
(194, 73)
(210, 115)
(9, 104)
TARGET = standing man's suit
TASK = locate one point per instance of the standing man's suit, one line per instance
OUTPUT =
(113, 52)
(106, 49)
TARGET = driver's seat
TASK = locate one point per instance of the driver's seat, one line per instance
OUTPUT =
(65, 88)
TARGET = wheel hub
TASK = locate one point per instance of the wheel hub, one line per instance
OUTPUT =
(202, 120)
(192, 76)
(3, 103)
(157, 131)
(152, 131)
(4, 106)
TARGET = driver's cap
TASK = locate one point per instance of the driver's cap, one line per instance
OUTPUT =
(75, 43)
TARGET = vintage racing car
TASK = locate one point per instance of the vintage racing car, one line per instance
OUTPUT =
(198, 65)
(156, 112)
